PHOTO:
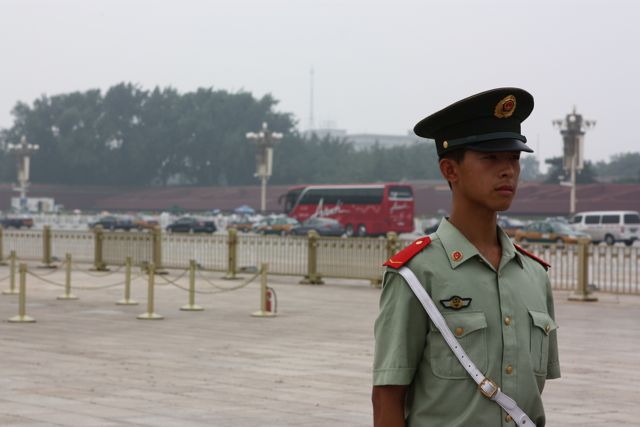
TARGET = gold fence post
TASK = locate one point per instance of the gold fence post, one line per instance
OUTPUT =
(98, 249)
(582, 292)
(127, 284)
(12, 275)
(192, 289)
(232, 250)
(46, 248)
(265, 305)
(312, 277)
(67, 281)
(150, 314)
(22, 308)
(2, 261)
(392, 248)
(157, 250)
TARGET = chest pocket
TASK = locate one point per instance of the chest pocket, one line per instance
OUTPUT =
(541, 326)
(469, 328)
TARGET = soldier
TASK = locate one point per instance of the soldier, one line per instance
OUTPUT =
(494, 296)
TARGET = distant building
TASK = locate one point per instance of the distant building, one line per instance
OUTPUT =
(363, 141)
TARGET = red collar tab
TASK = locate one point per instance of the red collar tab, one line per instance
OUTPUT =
(405, 255)
(530, 255)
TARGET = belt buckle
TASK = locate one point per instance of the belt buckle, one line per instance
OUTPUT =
(492, 388)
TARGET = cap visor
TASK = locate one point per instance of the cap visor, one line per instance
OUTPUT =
(500, 145)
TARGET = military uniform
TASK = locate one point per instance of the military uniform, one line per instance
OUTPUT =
(503, 318)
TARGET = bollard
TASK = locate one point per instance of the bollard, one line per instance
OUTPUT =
(582, 292)
(12, 275)
(67, 281)
(98, 242)
(192, 289)
(150, 314)
(127, 285)
(312, 277)
(157, 250)
(265, 310)
(232, 251)
(46, 248)
(22, 308)
(2, 261)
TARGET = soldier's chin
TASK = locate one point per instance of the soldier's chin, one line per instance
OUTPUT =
(503, 206)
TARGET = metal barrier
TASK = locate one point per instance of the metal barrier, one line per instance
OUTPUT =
(610, 268)
(208, 251)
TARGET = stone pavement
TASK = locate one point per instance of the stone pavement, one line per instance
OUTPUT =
(92, 363)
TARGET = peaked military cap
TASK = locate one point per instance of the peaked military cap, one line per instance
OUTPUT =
(489, 121)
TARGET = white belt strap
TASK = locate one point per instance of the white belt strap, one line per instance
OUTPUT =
(487, 387)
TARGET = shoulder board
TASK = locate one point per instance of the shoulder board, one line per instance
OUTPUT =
(530, 255)
(405, 255)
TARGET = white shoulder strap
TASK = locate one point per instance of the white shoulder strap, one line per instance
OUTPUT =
(487, 387)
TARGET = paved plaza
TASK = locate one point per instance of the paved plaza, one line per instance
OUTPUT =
(90, 362)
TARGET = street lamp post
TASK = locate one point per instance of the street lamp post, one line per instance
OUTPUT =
(265, 139)
(23, 151)
(572, 129)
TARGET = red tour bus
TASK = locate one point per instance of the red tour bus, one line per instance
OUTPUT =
(363, 209)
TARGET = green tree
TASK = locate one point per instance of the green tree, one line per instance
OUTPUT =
(556, 172)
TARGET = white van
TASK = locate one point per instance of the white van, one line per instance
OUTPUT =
(609, 226)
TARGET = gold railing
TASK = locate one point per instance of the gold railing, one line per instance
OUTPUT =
(610, 268)
(208, 251)
(285, 255)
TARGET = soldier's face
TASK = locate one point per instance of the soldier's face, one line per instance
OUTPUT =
(488, 179)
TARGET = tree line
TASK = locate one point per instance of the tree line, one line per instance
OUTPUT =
(129, 136)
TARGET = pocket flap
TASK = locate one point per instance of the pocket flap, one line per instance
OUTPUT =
(462, 324)
(543, 321)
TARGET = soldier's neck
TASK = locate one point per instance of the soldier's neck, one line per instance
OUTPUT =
(480, 228)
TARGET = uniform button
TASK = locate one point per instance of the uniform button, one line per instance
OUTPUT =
(508, 418)
(459, 331)
(507, 320)
(509, 370)
(547, 328)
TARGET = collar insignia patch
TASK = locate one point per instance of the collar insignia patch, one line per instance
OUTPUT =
(456, 255)
(456, 302)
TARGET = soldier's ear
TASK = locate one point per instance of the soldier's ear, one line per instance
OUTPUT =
(449, 170)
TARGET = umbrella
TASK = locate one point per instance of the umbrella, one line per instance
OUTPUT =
(244, 210)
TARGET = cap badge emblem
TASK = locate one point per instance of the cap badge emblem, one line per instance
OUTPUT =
(506, 107)
(455, 302)
(445, 145)
(456, 255)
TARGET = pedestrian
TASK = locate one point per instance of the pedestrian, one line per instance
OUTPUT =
(494, 296)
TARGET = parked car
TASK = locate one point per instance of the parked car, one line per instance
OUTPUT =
(243, 224)
(609, 226)
(323, 226)
(510, 225)
(112, 222)
(16, 222)
(548, 232)
(190, 224)
(276, 225)
(145, 223)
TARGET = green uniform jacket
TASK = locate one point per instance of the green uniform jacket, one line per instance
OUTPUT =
(503, 319)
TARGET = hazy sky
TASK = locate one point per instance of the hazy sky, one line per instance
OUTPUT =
(380, 66)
